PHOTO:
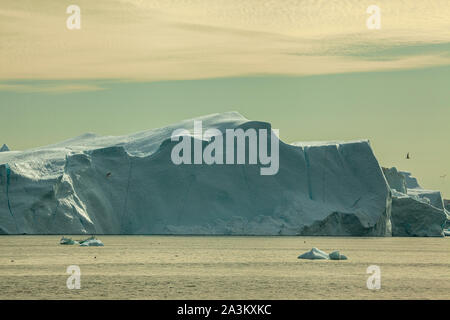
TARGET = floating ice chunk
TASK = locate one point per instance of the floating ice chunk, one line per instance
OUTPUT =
(92, 243)
(335, 255)
(67, 241)
(314, 254)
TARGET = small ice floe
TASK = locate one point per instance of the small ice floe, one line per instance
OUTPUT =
(335, 255)
(316, 254)
(91, 242)
(67, 241)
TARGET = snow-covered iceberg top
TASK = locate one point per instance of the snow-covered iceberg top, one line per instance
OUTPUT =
(327, 143)
(144, 143)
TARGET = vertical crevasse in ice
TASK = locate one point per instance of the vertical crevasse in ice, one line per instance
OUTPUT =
(125, 221)
(308, 173)
(8, 178)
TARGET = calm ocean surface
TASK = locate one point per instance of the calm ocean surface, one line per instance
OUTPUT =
(178, 267)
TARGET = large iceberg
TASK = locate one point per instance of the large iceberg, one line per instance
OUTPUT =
(129, 185)
(415, 211)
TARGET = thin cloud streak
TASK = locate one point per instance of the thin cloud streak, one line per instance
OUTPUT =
(55, 88)
(172, 40)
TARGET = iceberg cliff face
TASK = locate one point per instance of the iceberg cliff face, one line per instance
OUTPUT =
(447, 211)
(415, 211)
(129, 185)
(411, 217)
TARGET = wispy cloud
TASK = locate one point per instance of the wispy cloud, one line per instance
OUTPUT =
(33, 87)
(168, 39)
(381, 50)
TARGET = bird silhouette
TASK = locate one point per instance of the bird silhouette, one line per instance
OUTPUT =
(407, 156)
(108, 174)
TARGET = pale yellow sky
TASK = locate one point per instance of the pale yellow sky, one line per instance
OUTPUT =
(192, 39)
(331, 77)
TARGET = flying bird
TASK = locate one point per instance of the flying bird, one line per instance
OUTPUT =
(108, 174)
